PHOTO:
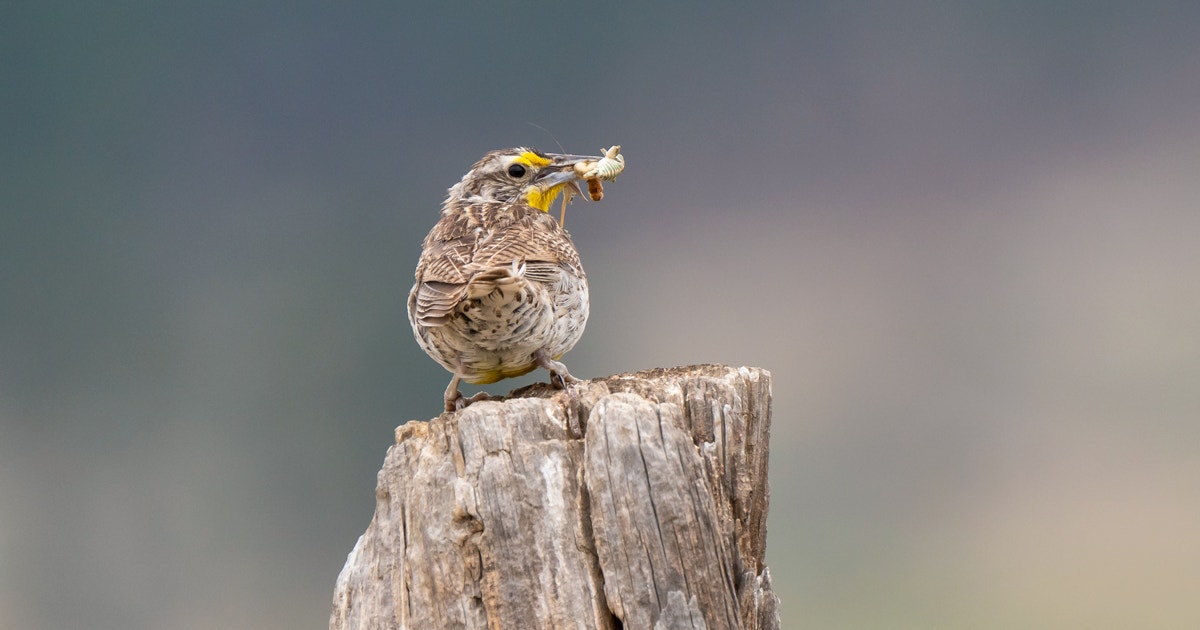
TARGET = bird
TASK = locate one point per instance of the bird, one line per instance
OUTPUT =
(499, 289)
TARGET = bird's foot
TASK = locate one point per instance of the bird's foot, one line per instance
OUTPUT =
(559, 376)
(455, 401)
(460, 402)
(560, 380)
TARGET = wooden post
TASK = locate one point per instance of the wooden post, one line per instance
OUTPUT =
(633, 501)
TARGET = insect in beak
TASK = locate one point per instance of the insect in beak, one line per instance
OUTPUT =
(593, 172)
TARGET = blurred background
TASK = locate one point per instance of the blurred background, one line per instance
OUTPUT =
(964, 238)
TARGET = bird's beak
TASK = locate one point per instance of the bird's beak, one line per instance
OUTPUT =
(560, 176)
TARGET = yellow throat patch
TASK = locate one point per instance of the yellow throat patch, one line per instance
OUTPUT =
(541, 199)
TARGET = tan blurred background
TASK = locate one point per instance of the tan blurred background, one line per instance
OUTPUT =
(964, 237)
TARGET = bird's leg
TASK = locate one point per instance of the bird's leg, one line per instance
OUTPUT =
(453, 396)
(455, 401)
(557, 369)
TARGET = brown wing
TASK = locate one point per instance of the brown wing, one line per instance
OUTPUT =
(482, 239)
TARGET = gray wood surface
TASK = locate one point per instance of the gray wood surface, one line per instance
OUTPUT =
(633, 501)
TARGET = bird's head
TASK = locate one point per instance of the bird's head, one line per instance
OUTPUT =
(521, 174)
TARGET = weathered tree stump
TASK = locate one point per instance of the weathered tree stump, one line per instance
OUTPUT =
(633, 501)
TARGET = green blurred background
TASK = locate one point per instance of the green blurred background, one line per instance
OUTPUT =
(964, 237)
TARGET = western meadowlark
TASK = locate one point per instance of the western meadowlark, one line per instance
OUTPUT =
(499, 288)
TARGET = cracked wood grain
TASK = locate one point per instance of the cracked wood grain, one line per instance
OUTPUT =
(633, 501)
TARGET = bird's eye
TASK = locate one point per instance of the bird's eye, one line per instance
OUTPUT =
(517, 171)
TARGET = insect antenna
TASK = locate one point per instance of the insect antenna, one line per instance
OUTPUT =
(560, 146)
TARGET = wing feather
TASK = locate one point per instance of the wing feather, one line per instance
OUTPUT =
(477, 243)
